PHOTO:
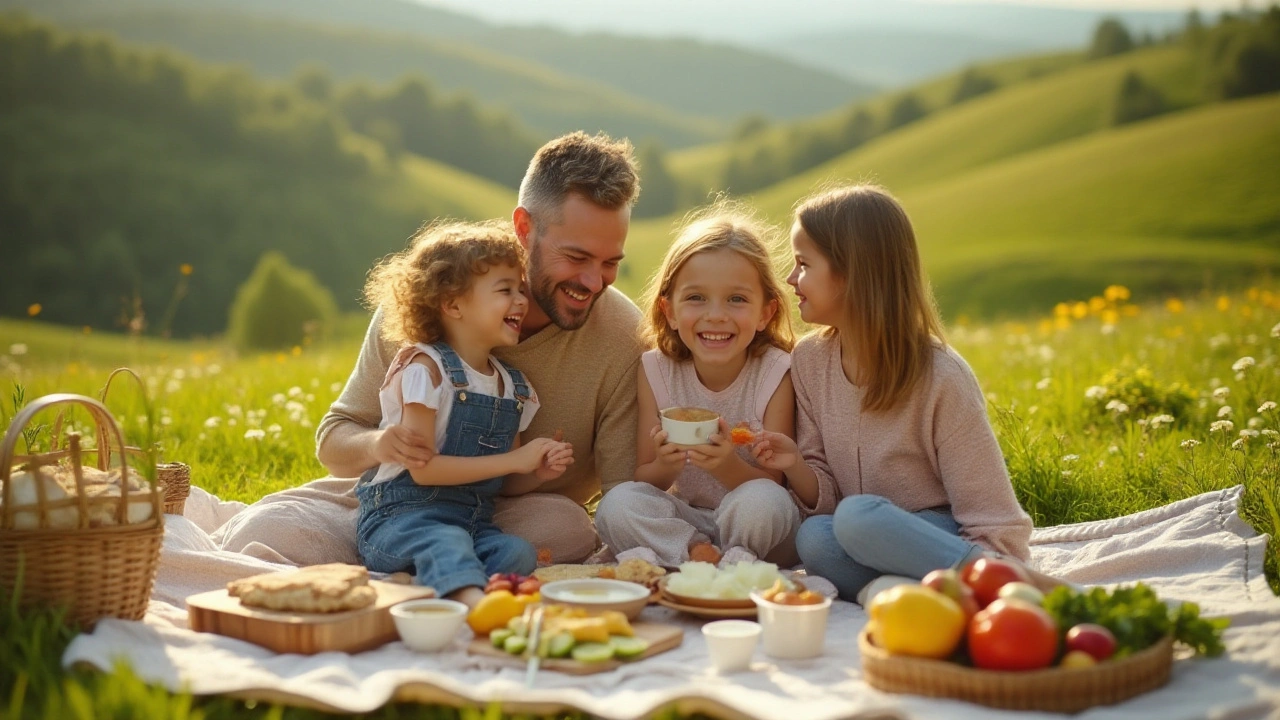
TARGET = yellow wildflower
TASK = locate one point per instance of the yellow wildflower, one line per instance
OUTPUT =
(34, 309)
(1079, 310)
(1096, 304)
(185, 268)
(1110, 317)
(297, 350)
(1116, 293)
(1224, 303)
(1062, 323)
(1062, 310)
(1174, 305)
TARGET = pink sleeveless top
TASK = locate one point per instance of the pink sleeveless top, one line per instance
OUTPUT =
(675, 384)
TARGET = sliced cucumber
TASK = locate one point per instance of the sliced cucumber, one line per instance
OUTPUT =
(626, 648)
(499, 636)
(560, 645)
(592, 652)
(515, 644)
(517, 625)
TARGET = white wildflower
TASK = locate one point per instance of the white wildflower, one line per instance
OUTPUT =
(1070, 458)
(1243, 364)
(335, 387)
(1238, 444)
(212, 422)
(201, 436)
(1219, 340)
(166, 420)
(310, 397)
(295, 391)
(255, 434)
(1042, 384)
(1255, 422)
(1095, 392)
(1268, 432)
(274, 429)
(1189, 443)
(179, 373)
(231, 422)
(233, 410)
(1066, 473)
(1224, 411)
(1266, 407)
(1114, 449)
(1220, 394)
(1033, 409)
(173, 386)
(1222, 426)
(1160, 420)
(1275, 331)
(1108, 329)
(1142, 422)
(21, 348)
(1246, 434)
(1118, 406)
(214, 369)
(278, 399)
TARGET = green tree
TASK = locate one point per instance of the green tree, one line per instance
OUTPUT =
(280, 306)
(660, 192)
(1136, 100)
(1111, 37)
(972, 84)
(904, 111)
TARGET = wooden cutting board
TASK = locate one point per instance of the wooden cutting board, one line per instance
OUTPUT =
(303, 633)
(661, 638)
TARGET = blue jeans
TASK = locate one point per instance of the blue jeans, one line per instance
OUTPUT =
(443, 534)
(869, 536)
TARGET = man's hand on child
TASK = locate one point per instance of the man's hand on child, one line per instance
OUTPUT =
(775, 451)
(398, 445)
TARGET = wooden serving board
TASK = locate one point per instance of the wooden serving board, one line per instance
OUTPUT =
(661, 638)
(303, 633)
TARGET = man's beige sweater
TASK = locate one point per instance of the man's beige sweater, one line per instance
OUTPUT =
(585, 380)
(935, 448)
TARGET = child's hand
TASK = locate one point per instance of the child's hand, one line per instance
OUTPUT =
(531, 456)
(775, 451)
(670, 457)
(555, 462)
(711, 455)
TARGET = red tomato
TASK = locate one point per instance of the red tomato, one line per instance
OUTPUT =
(987, 575)
(1013, 635)
(1093, 639)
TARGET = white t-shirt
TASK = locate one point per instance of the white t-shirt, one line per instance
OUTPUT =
(412, 383)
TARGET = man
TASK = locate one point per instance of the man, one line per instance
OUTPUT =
(579, 346)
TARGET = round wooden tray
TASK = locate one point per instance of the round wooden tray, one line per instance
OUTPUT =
(706, 603)
(1052, 689)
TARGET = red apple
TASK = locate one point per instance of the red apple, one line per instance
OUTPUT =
(1093, 639)
(948, 582)
(987, 575)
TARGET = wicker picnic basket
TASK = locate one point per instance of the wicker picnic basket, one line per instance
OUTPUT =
(1066, 690)
(174, 477)
(78, 551)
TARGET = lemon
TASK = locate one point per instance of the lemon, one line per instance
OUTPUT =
(916, 620)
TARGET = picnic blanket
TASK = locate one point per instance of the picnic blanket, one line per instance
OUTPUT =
(1197, 549)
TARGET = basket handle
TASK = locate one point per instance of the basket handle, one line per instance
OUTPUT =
(101, 416)
(104, 452)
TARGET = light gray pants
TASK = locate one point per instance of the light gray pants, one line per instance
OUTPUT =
(758, 516)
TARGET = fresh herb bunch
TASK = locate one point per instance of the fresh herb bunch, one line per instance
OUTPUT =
(1137, 618)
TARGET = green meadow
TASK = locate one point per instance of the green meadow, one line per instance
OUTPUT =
(1105, 406)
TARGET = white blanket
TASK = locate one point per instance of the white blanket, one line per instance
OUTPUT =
(1196, 549)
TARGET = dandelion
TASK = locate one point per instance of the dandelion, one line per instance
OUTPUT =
(212, 422)
(1266, 407)
(186, 269)
(1220, 394)
(255, 434)
(1224, 411)
(1222, 426)
(1243, 364)
(1189, 444)
(34, 309)
(1042, 384)
(18, 349)
(1174, 306)
(1160, 420)
(1095, 392)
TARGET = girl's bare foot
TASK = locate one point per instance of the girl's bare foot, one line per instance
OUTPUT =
(704, 552)
(468, 596)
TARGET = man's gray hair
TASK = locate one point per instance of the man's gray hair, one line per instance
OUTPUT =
(599, 168)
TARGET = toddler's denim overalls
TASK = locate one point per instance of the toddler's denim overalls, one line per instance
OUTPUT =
(445, 534)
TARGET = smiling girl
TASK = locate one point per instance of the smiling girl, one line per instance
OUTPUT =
(722, 342)
(449, 300)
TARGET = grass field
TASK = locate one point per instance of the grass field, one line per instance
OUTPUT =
(1103, 407)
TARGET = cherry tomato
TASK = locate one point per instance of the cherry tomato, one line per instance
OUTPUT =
(1093, 639)
(987, 575)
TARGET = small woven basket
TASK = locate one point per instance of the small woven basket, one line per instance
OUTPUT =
(174, 477)
(1066, 690)
(96, 572)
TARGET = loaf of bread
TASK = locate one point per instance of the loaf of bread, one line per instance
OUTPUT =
(335, 587)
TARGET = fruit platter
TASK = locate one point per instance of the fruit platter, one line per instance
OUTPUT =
(984, 634)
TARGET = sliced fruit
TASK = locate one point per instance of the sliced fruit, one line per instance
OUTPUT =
(592, 652)
(625, 648)
(560, 645)
(516, 644)
(499, 636)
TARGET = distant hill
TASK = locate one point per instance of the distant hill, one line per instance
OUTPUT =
(121, 166)
(691, 78)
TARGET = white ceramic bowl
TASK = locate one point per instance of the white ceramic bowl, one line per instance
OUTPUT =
(597, 594)
(792, 632)
(731, 643)
(428, 625)
(683, 432)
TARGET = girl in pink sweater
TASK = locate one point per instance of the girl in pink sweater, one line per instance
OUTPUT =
(722, 337)
(896, 467)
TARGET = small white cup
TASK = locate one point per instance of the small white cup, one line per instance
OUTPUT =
(685, 432)
(792, 632)
(731, 643)
(428, 625)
